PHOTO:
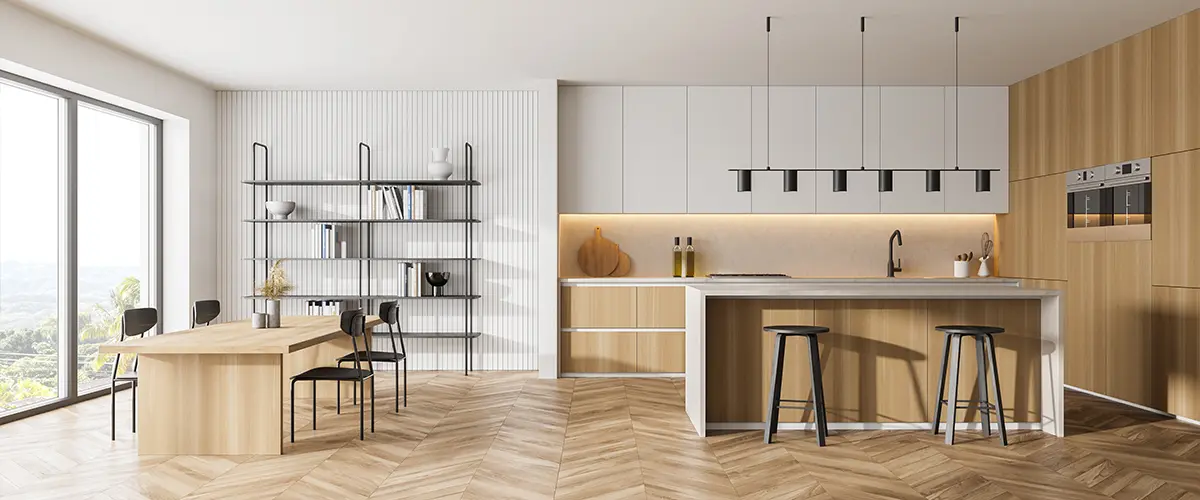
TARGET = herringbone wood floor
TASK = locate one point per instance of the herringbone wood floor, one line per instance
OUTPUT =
(509, 435)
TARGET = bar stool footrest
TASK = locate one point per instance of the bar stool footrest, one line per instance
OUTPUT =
(796, 407)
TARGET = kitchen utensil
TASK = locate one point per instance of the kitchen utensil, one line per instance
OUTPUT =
(970, 256)
(281, 209)
(599, 256)
(986, 246)
(623, 265)
(437, 280)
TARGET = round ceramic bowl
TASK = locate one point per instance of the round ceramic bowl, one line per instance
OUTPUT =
(281, 209)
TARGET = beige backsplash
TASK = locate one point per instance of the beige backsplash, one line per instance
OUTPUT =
(797, 245)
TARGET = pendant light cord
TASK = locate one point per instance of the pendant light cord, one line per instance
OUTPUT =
(957, 92)
(862, 90)
(768, 92)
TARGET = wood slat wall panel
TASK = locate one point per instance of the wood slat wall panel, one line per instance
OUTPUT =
(314, 135)
(1176, 84)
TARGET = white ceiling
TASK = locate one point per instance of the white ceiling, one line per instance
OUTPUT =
(355, 44)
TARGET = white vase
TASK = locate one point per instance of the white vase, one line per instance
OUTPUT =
(984, 270)
(439, 168)
(272, 314)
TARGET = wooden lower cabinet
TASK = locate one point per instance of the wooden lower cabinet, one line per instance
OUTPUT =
(880, 360)
(660, 307)
(660, 352)
(598, 307)
(598, 352)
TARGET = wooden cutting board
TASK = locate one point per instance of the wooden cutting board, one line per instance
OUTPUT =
(623, 265)
(599, 256)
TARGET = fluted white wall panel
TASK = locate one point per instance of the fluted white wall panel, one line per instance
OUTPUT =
(315, 135)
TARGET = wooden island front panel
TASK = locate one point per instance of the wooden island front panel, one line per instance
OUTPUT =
(879, 361)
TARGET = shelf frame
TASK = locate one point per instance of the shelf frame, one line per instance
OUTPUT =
(366, 236)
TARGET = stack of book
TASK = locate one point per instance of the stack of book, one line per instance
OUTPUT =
(329, 307)
(397, 203)
(412, 279)
(326, 244)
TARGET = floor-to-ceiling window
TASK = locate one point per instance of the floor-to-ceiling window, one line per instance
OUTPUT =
(78, 238)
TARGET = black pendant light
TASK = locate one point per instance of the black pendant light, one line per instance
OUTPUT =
(983, 178)
(933, 181)
(839, 181)
(743, 181)
(933, 178)
(790, 180)
(983, 181)
(839, 176)
(885, 181)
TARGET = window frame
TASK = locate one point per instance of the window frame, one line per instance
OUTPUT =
(68, 225)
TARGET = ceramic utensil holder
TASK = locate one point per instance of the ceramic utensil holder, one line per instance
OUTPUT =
(962, 268)
(985, 267)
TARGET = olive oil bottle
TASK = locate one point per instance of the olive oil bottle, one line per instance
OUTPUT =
(689, 259)
(678, 259)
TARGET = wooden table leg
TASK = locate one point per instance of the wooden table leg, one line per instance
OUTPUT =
(210, 404)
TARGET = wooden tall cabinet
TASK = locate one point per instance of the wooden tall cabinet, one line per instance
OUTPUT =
(1032, 237)
(1176, 217)
(1175, 92)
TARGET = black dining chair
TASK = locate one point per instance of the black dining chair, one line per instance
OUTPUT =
(205, 311)
(390, 314)
(134, 323)
(353, 323)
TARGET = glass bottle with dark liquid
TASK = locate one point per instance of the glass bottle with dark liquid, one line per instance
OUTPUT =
(678, 259)
(689, 259)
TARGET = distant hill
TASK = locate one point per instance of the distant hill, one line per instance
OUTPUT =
(28, 292)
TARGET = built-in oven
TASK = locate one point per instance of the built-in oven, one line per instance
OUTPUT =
(1089, 203)
(1131, 193)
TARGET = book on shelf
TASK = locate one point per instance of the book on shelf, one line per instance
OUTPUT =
(397, 203)
(411, 279)
(326, 244)
(414, 202)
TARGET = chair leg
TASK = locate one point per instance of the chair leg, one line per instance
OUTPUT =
(293, 408)
(991, 344)
(133, 387)
(981, 361)
(952, 398)
(314, 405)
(814, 358)
(372, 404)
(339, 393)
(112, 396)
(397, 366)
(406, 382)
(776, 387)
(362, 409)
(941, 391)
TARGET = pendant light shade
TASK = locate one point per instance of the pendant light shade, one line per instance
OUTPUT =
(983, 181)
(839, 181)
(933, 181)
(743, 181)
(885, 181)
(790, 180)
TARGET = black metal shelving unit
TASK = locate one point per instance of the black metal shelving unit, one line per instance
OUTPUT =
(366, 237)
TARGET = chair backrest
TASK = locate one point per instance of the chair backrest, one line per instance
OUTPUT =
(389, 312)
(353, 323)
(136, 322)
(205, 311)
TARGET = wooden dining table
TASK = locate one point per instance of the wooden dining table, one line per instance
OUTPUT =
(223, 389)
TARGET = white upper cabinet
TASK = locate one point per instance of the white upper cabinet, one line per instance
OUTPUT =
(793, 146)
(589, 150)
(840, 145)
(983, 144)
(913, 138)
(655, 150)
(718, 140)
(670, 149)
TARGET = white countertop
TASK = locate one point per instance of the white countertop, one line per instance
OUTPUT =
(789, 281)
(872, 289)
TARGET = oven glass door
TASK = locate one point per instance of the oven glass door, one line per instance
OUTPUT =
(1132, 204)
(1090, 208)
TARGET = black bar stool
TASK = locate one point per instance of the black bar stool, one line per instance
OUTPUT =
(782, 332)
(982, 335)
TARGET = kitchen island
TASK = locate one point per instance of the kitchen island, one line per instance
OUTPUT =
(880, 360)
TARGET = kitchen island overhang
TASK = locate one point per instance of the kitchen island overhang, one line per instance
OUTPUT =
(1048, 350)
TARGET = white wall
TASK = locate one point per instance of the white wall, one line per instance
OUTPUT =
(38, 48)
(315, 135)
